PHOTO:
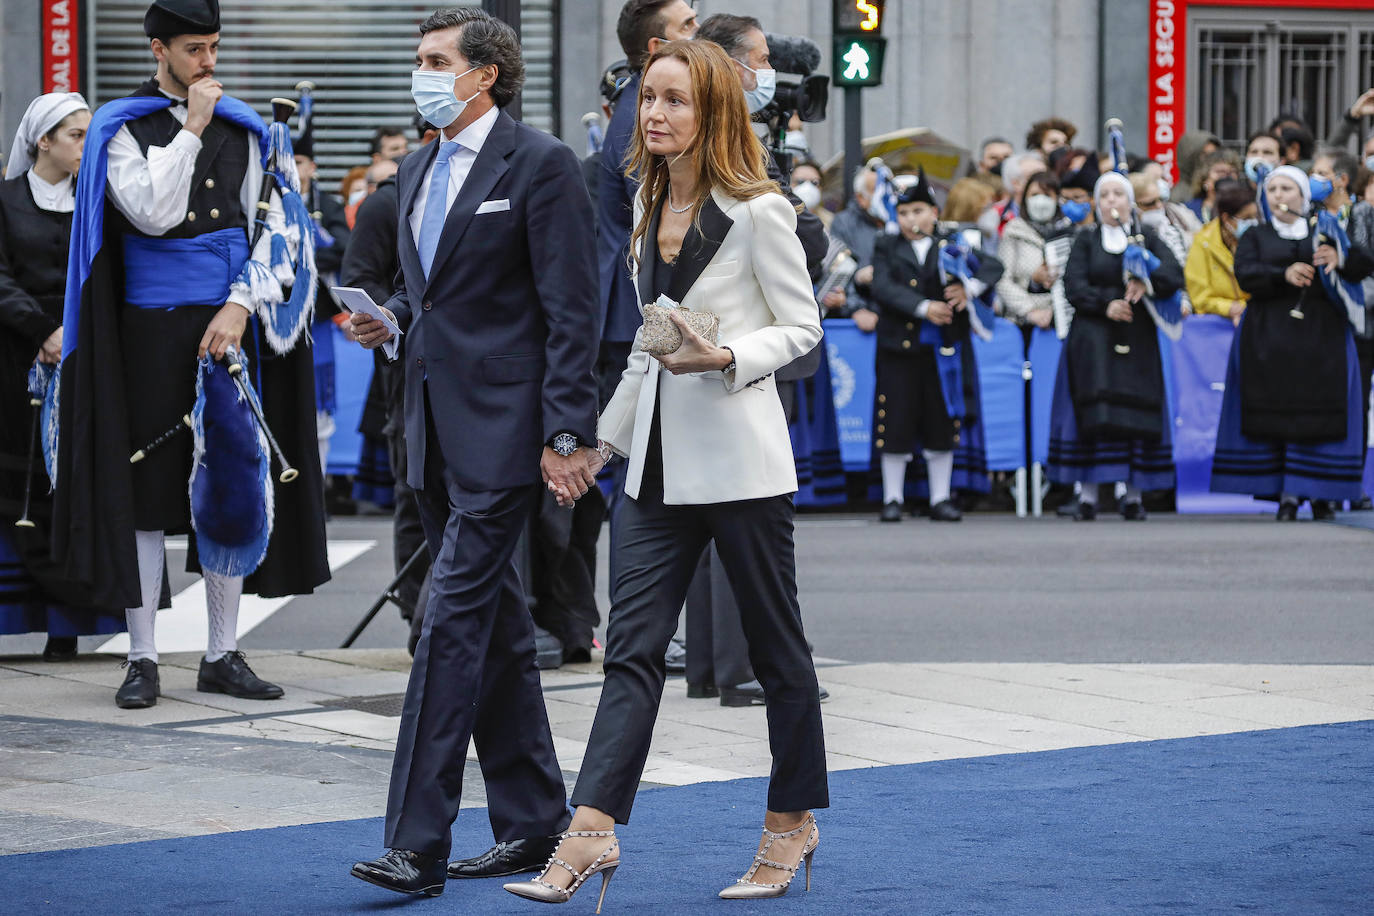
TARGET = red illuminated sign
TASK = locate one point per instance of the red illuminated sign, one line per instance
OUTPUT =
(61, 46)
(1168, 60)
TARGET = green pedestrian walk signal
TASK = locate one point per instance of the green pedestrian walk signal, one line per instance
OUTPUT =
(859, 61)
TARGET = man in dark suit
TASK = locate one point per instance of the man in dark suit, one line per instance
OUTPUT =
(498, 305)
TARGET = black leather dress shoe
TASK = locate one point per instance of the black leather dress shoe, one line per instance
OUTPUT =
(60, 649)
(1133, 512)
(1323, 509)
(1363, 504)
(1288, 512)
(404, 872)
(509, 858)
(1086, 512)
(702, 691)
(751, 694)
(141, 686)
(945, 511)
(892, 512)
(232, 675)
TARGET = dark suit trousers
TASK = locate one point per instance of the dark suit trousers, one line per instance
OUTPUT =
(717, 652)
(659, 547)
(473, 677)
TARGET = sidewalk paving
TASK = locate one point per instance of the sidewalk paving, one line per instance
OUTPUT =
(77, 771)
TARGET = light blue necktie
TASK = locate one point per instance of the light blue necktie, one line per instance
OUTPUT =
(436, 207)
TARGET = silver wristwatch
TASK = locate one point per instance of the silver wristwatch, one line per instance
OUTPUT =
(564, 444)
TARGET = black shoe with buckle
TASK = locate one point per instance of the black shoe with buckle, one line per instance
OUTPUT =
(892, 512)
(232, 675)
(1086, 512)
(141, 686)
(945, 511)
(1288, 511)
(1324, 509)
(404, 872)
(509, 858)
(60, 649)
(1133, 511)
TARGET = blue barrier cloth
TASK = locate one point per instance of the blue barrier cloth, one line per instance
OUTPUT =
(1003, 415)
(205, 266)
(1043, 353)
(851, 354)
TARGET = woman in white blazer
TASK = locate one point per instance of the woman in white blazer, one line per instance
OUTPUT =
(709, 458)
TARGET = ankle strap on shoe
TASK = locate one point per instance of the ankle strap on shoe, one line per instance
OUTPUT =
(808, 821)
(591, 833)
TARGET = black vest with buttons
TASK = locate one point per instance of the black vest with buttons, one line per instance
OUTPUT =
(217, 182)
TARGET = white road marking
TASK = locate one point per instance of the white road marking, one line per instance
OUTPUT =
(183, 627)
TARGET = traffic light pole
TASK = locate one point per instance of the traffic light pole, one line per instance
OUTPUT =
(853, 137)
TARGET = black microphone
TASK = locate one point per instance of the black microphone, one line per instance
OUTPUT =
(790, 54)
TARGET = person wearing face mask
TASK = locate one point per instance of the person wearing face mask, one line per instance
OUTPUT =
(1109, 422)
(1210, 269)
(1076, 191)
(926, 388)
(497, 300)
(1336, 171)
(1155, 214)
(352, 189)
(1025, 287)
(1261, 155)
(1291, 426)
(806, 184)
(36, 204)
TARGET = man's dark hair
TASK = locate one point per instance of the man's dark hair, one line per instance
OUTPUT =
(1261, 133)
(1285, 117)
(1232, 194)
(728, 31)
(983, 147)
(1299, 135)
(382, 133)
(421, 126)
(639, 21)
(484, 40)
(1342, 163)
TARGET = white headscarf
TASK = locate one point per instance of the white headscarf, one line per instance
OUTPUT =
(44, 113)
(1113, 237)
(1297, 229)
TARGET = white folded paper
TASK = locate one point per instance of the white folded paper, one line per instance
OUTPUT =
(357, 300)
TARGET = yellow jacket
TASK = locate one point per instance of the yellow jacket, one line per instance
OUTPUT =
(1211, 273)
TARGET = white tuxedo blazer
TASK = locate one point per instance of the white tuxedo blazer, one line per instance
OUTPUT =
(724, 435)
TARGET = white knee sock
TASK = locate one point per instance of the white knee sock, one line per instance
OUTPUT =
(222, 595)
(1131, 494)
(939, 472)
(151, 553)
(894, 477)
(1088, 493)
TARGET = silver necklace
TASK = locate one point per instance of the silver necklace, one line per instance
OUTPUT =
(675, 209)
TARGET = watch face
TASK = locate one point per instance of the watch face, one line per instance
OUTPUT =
(565, 444)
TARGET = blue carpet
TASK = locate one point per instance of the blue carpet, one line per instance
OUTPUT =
(1275, 821)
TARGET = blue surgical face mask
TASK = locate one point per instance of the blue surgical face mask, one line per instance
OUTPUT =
(1242, 225)
(433, 94)
(1321, 188)
(765, 83)
(1075, 210)
(1254, 165)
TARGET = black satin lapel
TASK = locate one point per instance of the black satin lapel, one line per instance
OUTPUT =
(648, 257)
(699, 248)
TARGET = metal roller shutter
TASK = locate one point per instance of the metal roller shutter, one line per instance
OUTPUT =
(359, 54)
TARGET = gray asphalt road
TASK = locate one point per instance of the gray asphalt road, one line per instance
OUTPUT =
(995, 588)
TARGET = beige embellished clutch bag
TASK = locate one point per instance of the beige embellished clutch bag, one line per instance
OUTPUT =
(660, 336)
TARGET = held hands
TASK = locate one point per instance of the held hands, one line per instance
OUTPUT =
(1120, 310)
(1041, 318)
(200, 103)
(568, 479)
(939, 313)
(695, 354)
(957, 296)
(1326, 256)
(369, 331)
(865, 320)
(51, 351)
(225, 330)
(1299, 274)
(1135, 291)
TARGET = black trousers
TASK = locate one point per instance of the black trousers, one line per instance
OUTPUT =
(717, 652)
(474, 677)
(659, 547)
(563, 568)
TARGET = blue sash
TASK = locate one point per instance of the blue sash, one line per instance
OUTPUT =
(166, 273)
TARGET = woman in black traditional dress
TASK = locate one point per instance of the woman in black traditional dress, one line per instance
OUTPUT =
(1292, 418)
(36, 205)
(1110, 420)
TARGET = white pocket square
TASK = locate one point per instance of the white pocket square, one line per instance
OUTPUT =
(493, 206)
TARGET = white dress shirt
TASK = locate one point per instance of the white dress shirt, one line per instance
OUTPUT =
(55, 198)
(471, 139)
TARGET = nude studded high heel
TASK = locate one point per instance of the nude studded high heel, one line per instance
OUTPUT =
(747, 889)
(545, 892)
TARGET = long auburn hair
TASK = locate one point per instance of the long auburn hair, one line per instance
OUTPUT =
(724, 150)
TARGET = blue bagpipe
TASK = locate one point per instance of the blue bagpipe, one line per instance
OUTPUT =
(1138, 262)
(958, 263)
(1342, 293)
(884, 205)
(43, 400)
(1262, 196)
